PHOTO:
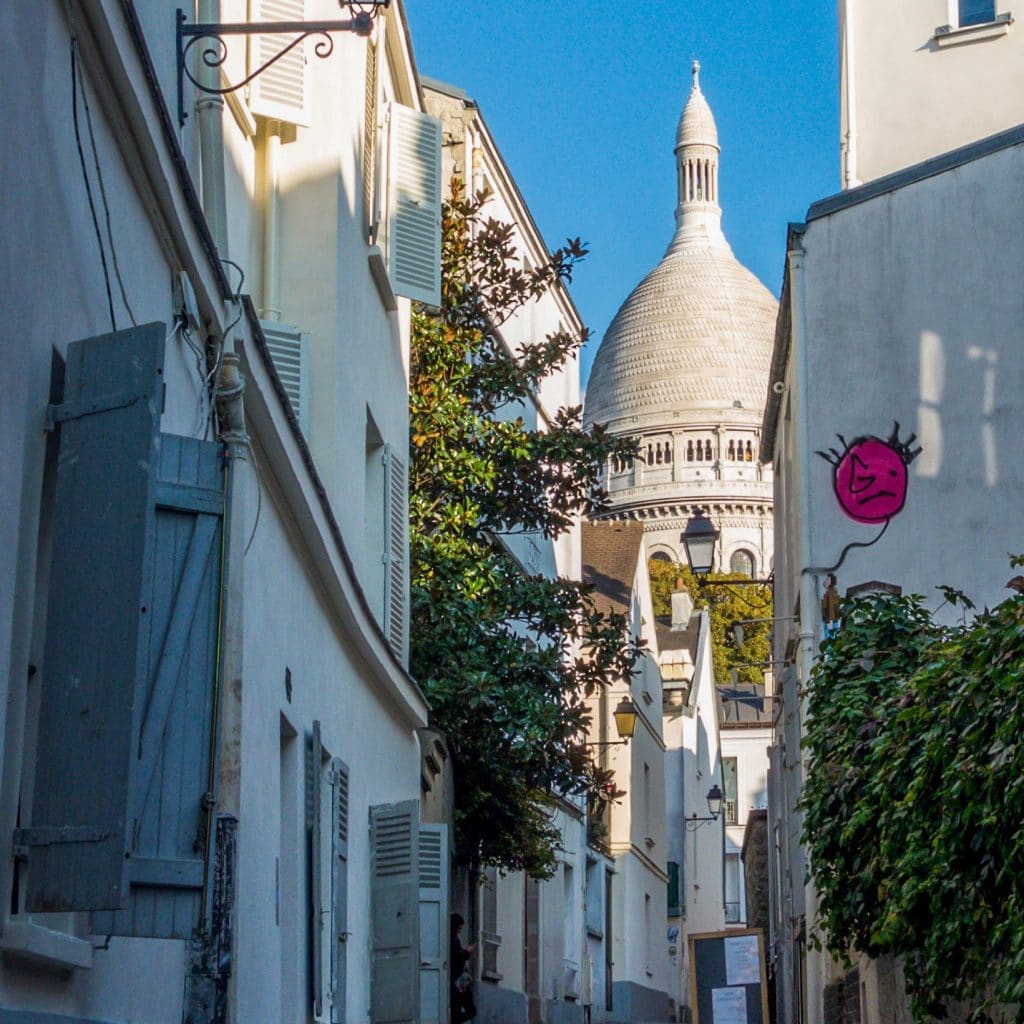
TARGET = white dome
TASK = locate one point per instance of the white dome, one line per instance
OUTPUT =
(693, 338)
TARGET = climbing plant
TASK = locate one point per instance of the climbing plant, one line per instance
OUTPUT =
(507, 658)
(913, 800)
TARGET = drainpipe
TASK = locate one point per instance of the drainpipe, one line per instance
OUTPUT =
(850, 179)
(209, 114)
(229, 390)
(807, 636)
(271, 266)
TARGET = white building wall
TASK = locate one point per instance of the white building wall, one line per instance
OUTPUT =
(903, 312)
(299, 598)
(749, 747)
(900, 69)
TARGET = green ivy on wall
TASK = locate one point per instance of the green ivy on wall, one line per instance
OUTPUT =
(913, 800)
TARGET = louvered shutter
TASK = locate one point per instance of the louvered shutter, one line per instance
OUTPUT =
(282, 91)
(289, 350)
(434, 928)
(414, 205)
(370, 197)
(170, 801)
(394, 916)
(339, 890)
(314, 798)
(97, 622)
(396, 553)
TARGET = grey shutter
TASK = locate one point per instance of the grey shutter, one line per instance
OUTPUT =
(170, 798)
(434, 927)
(414, 205)
(339, 889)
(96, 635)
(314, 797)
(394, 915)
(396, 552)
(289, 350)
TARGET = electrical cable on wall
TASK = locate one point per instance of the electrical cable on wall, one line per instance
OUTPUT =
(103, 192)
(85, 178)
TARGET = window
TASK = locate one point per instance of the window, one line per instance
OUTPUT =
(729, 774)
(742, 563)
(490, 940)
(975, 12)
(732, 888)
(673, 889)
(593, 903)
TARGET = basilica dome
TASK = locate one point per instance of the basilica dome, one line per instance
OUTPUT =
(696, 334)
(683, 370)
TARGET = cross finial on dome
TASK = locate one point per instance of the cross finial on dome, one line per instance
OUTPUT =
(696, 75)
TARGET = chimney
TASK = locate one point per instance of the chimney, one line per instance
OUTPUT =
(682, 606)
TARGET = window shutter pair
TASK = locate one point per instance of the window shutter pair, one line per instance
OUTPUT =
(396, 553)
(328, 920)
(121, 807)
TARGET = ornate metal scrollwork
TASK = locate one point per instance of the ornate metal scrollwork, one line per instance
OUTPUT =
(215, 53)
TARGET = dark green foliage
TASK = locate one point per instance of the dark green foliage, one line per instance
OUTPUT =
(507, 660)
(914, 800)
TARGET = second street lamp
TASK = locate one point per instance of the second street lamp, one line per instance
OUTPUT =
(625, 715)
(714, 799)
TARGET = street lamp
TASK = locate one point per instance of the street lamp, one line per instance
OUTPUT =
(714, 799)
(699, 539)
(625, 715)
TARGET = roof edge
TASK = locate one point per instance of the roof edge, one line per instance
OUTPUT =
(780, 351)
(917, 172)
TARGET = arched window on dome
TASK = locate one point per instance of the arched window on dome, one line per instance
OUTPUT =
(732, 451)
(668, 452)
(650, 455)
(689, 451)
(659, 456)
(700, 451)
(750, 452)
(742, 564)
(707, 451)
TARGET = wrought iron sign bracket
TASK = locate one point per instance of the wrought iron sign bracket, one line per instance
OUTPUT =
(216, 53)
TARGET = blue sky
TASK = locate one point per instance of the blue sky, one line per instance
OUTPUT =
(583, 98)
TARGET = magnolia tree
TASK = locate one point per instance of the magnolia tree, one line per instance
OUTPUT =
(507, 659)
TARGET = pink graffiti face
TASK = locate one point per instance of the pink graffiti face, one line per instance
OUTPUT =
(871, 481)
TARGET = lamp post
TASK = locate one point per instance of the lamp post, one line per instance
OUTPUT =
(625, 715)
(714, 799)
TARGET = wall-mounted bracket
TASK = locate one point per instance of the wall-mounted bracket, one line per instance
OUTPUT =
(216, 52)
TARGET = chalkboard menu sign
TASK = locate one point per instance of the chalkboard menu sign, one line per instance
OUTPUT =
(727, 977)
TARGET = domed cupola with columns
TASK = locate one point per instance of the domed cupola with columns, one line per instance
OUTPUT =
(683, 368)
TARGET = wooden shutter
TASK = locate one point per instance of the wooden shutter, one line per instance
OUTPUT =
(396, 553)
(314, 797)
(171, 797)
(282, 91)
(97, 622)
(414, 205)
(394, 916)
(339, 889)
(434, 927)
